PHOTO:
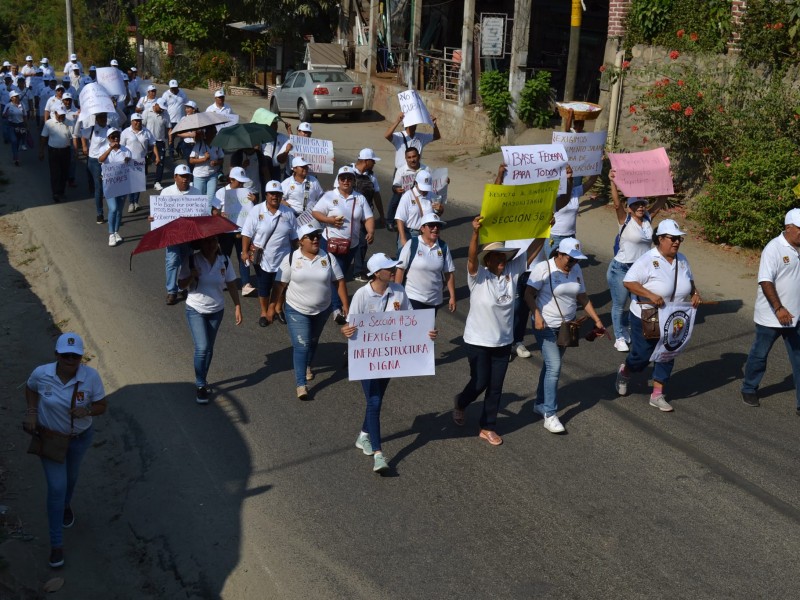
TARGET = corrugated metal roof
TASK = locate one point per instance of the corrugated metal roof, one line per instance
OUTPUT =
(325, 55)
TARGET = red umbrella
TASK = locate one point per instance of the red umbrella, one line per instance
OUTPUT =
(182, 230)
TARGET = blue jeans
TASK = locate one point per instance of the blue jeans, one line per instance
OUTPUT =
(207, 185)
(374, 390)
(304, 331)
(61, 479)
(134, 198)
(115, 206)
(264, 280)
(15, 142)
(546, 402)
(757, 359)
(174, 259)
(96, 184)
(619, 297)
(204, 329)
(521, 310)
(487, 371)
(641, 350)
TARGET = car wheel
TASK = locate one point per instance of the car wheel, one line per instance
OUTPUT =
(355, 116)
(302, 112)
(273, 106)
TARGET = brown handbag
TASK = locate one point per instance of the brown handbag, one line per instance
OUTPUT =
(651, 327)
(569, 332)
(50, 444)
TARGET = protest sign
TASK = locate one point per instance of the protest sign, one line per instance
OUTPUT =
(234, 120)
(513, 212)
(95, 99)
(413, 108)
(237, 205)
(315, 151)
(111, 80)
(121, 179)
(642, 173)
(164, 209)
(533, 164)
(584, 151)
(306, 218)
(677, 323)
(439, 179)
(391, 344)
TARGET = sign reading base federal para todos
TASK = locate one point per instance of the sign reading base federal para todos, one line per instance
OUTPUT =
(391, 344)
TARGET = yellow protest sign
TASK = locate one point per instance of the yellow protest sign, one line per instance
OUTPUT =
(515, 212)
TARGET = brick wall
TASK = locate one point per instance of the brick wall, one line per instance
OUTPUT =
(738, 8)
(617, 11)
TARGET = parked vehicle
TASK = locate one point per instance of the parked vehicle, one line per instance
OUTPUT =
(318, 92)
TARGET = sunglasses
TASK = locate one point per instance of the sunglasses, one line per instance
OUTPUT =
(674, 238)
(313, 236)
(391, 270)
(70, 356)
(570, 260)
(346, 178)
(434, 225)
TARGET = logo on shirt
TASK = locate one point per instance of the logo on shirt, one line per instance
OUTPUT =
(323, 262)
(439, 253)
(291, 187)
(261, 217)
(79, 397)
(786, 260)
(396, 305)
(656, 265)
(335, 202)
(222, 271)
(419, 252)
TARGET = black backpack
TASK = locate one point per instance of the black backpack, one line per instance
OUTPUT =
(364, 186)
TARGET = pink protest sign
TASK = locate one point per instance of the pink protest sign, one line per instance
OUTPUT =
(642, 173)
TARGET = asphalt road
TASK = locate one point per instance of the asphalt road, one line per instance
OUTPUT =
(259, 495)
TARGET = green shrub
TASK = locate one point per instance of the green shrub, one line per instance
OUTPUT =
(748, 196)
(534, 101)
(766, 33)
(685, 25)
(183, 67)
(496, 99)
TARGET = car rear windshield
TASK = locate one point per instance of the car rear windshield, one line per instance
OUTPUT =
(330, 77)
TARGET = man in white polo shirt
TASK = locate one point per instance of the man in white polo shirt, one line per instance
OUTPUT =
(57, 135)
(415, 204)
(175, 99)
(409, 138)
(777, 308)
(220, 106)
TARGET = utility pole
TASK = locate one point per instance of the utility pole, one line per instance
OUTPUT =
(574, 48)
(70, 35)
(139, 39)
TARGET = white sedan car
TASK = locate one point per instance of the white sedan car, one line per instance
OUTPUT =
(318, 92)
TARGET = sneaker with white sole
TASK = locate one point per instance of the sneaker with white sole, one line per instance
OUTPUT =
(132, 207)
(379, 463)
(621, 345)
(621, 384)
(363, 443)
(521, 350)
(118, 237)
(248, 289)
(157, 186)
(553, 424)
(112, 240)
(660, 402)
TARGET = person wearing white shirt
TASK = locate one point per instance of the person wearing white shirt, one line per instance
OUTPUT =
(140, 141)
(206, 274)
(206, 162)
(56, 135)
(409, 138)
(48, 91)
(342, 211)
(270, 150)
(404, 178)
(230, 203)
(93, 138)
(187, 138)
(555, 287)
(285, 154)
(488, 334)
(380, 295)
(220, 106)
(114, 153)
(301, 190)
(413, 206)
(54, 101)
(28, 70)
(777, 308)
(657, 277)
(71, 119)
(148, 99)
(73, 63)
(306, 276)
(426, 267)
(272, 228)
(14, 114)
(133, 91)
(47, 70)
(175, 99)
(156, 121)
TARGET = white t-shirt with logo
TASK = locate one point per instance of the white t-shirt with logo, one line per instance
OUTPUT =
(55, 397)
(566, 286)
(490, 321)
(274, 232)
(412, 207)
(366, 300)
(206, 292)
(780, 265)
(333, 203)
(309, 279)
(425, 277)
(657, 275)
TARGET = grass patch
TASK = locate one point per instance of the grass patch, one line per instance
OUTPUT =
(31, 249)
(27, 261)
(488, 149)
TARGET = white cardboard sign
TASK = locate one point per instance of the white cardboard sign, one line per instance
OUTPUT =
(164, 209)
(237, 205)
(121, 179)
(315, 151)
(95, 99)
(111, 79)
(585, 151)
(439, 179)
(413, 108)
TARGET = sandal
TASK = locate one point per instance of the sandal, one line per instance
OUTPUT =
(262, 321)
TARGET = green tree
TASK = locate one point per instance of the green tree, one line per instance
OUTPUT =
(174, 20)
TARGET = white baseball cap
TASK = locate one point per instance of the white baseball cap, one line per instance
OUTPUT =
(60, 111)
(346, 170)
(192, 104)
(273, 187)
(93, 68)
(423, 180)
(306, 229)
(304, 126)
(6, 63)
(67, 96)
(69, 343)
(432, 218)
(87, 80)
(152, 88)
(792, 217)
(380, 261)
(134, 69)
(111, 131)
(239, 175)
(13, 94)
(173, 83)
(162, 103)
(44, 61)
(136, 117)
(182, 170)
(73, 57)
(219, 93)
(368, 154)
(125, 77)
(60, 87)
(299, 161)
(114, 62)
(29, 57)
(571, 247)
(668, 227)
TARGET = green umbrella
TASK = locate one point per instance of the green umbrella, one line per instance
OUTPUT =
(264, 116)
(243, 135)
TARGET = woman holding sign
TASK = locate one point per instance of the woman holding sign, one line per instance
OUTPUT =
(659, 276)
(381, 294)
(488, 334)
(634, 238)
(114, 153)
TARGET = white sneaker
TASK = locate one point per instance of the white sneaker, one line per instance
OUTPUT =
(521, 350)
(621, 383)
(248, 290)
(157, 186)
(112, 240)
(621, 345)
(660, 403)
(132, 207)
(23, 147)
(553, 425)
(118, 237)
